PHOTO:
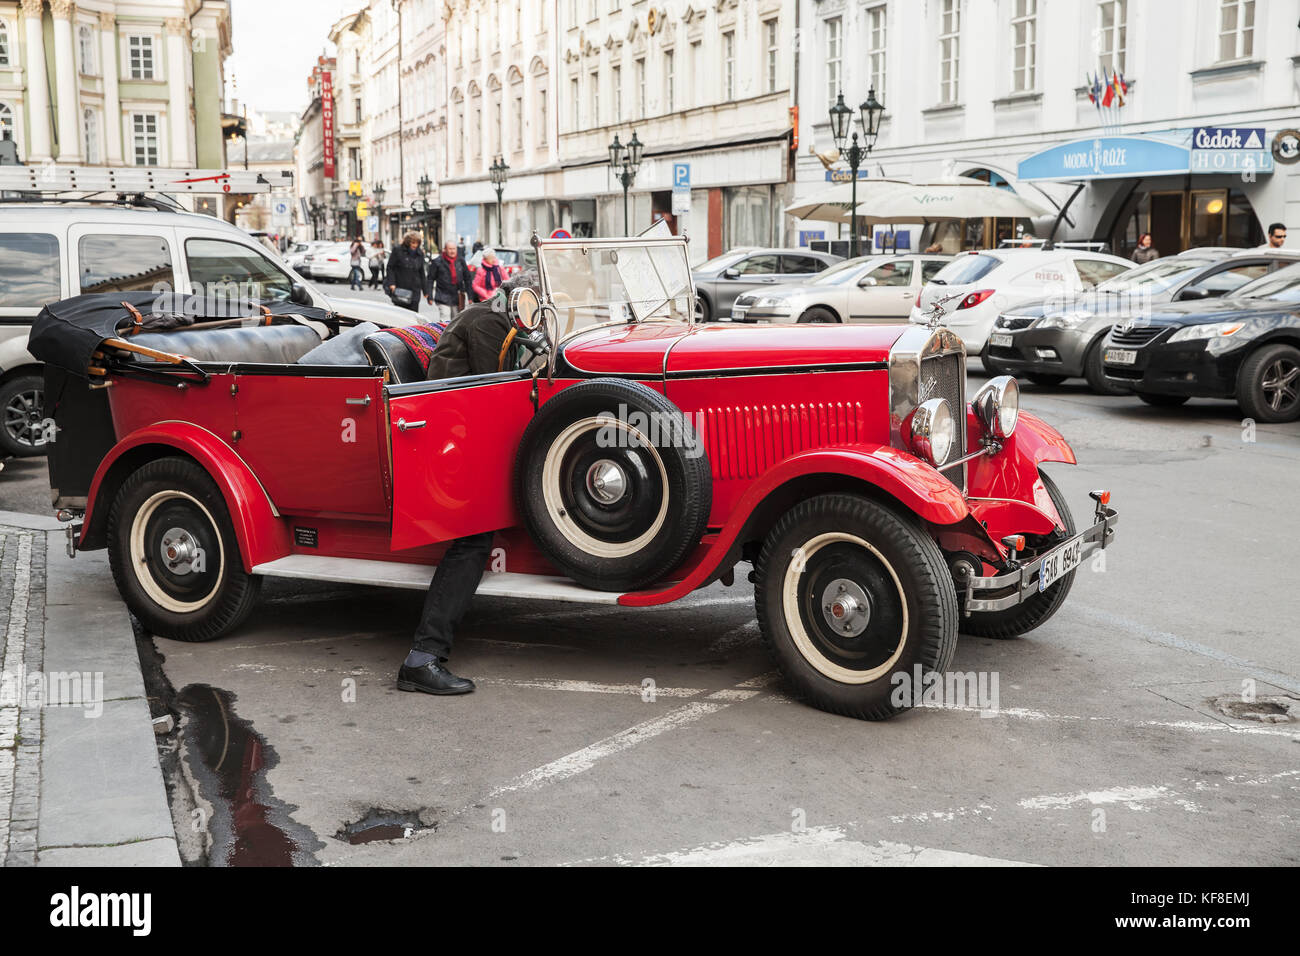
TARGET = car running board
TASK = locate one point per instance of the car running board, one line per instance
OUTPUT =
(416, 577)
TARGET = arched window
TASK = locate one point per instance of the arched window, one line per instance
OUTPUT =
(4, 45)
(6, 121)
(516, 81)
(458, 129)
(86, 47)
(474, 122)
(541, 104)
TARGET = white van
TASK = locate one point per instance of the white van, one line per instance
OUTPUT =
(51, 251)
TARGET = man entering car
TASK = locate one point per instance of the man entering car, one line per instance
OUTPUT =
(475, 343)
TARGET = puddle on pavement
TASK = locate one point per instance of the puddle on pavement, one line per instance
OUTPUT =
(379, 826)
(229, 761)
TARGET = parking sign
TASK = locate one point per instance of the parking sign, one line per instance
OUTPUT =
(681, 188)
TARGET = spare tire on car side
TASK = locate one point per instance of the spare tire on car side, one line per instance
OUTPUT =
(613, 484)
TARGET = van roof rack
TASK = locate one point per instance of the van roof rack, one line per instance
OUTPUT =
(131, 185)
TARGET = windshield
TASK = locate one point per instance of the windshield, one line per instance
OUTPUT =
(595, 281)
(1283, 285)
(1157, 275)
(966, 269)
(842, 272)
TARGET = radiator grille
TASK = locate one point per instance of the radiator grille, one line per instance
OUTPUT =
(1138, 336)
(943, 376)
(1015, 321)
(743, 441)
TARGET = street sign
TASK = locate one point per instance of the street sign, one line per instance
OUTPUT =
(561, 234)
(281, 213)
(1230, 149)
(363, 209)
(354, 187)
(845, 175)
(372, 224)
(681, 189)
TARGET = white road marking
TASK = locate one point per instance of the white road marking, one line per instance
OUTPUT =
(583, 760)
(1132, 797)
(813, 846)
(592, 687)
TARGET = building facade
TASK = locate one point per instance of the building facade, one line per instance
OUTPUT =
(115, 83)
(1015, 92)
(706, 87)
(500, 103)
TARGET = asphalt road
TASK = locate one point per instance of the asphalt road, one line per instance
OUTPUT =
(1110, 743)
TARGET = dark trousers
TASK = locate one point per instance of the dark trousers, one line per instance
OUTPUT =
(450, 592)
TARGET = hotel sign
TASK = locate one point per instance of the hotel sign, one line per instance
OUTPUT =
(1232, 149)
(1107, 157)
(327, 120)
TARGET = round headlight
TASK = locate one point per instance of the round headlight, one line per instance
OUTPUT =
(933, 431)
(997, 405)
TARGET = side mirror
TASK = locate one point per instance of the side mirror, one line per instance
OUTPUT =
(732, 273)
(1188, 295)
(299, 294)
(525, 309)
(866, 282)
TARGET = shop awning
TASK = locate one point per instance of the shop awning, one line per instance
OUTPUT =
(1108, 157)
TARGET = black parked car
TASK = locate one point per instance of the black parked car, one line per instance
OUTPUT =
(1245, 347)
(1060, 337)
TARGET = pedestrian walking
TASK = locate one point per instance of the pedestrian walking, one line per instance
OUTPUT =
(357, 255)
(448, 282)
(1145, 252)
(478, 244)
(377, 259)
(489, 276)
(405, 277)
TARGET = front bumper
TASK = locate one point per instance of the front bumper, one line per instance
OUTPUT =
(1049, 351)
(1001, 591)
(1181, 368)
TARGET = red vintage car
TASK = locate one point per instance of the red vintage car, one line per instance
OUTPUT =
(623, 453)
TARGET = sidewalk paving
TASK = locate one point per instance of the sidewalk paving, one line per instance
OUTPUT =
(80, 782)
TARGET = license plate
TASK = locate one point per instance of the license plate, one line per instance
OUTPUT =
(1000, 339)
(1059, 562)
(1120, 356)
(738, 312)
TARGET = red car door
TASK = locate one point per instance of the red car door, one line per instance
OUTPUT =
(316, 443)
(454, 448)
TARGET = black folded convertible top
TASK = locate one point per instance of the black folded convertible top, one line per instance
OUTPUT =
(66, 333)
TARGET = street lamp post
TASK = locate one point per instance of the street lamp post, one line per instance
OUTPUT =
(378, 192)
(424, 185)
(499, 172)
(869, 116)
(625, 161)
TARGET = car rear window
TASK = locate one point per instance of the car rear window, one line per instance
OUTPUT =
(966, 269)
(29, 270)
(801, 265)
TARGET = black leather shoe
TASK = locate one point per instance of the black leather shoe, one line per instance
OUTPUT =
(432, 678)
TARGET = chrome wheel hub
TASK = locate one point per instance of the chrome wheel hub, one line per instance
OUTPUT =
(846, 607)
(179, 550)
(606, 481)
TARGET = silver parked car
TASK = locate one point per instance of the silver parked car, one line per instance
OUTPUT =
(1059, 338)
(720, 280)
(866, 289)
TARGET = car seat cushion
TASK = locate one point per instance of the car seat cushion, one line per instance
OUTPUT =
(405, 351)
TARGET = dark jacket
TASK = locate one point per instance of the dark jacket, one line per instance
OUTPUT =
(471, 344)
(1141, 256)
(448, 281)
(406, 270)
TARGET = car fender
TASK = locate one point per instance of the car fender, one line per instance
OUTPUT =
(262, 535)
(917, 486)
(1001, 486)
(14, 354)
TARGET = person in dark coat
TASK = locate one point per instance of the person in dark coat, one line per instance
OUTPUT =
(470, 345)
(1145, 251)
(448, 281)
(406, 270)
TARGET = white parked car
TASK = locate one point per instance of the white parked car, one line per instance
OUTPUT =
(52, 251)
(985, 284)
(298, 252)
(332, 262)
(879, 289)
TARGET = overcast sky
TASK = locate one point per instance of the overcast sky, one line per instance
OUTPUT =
(276, 44)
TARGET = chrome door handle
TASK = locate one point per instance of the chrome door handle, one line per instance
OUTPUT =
(404, 425)
(364, 402)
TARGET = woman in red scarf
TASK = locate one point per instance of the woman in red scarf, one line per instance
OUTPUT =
(488, 277)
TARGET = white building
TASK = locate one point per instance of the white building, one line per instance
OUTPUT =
(500, 57)
(115, 83)
(705, 85)
(997, 89)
